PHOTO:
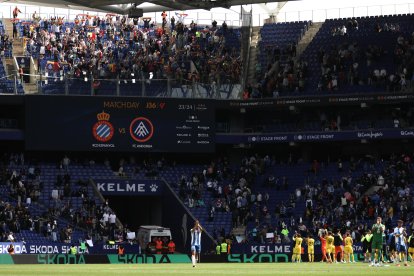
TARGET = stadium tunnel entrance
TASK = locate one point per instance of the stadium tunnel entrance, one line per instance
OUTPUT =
(135, 211)
(163, 209)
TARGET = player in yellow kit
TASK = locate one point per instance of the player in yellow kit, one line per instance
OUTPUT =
(297, 250)
(311, 248)
(349, 251)
(411, 246)
(330, 248)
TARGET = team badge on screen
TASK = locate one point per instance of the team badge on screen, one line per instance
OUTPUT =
(141, 129)
(103, 130)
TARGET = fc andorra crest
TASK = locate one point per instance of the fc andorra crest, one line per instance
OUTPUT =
(141, 129)
(103, 130)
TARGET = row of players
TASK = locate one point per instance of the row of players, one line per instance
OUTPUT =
(373, 245)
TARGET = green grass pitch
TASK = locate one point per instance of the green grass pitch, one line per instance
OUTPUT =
(206, 269)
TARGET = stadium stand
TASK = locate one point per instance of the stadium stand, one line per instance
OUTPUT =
(279, 40)
(352, 56)
(52, 201)
(90, 47)
(307, 197)
(6, 48)
(44, 201)
(330, 119)
(343, 57)
(59, 192)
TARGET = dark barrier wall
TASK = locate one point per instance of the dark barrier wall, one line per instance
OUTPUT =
(82, 123)
(323, 136)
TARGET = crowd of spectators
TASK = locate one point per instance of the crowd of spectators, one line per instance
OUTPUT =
(60, 217)
(99, 220)
(345, 203)
(283, 73)
(348, 61)
(24, 187)
(128, 48)
(340, 202)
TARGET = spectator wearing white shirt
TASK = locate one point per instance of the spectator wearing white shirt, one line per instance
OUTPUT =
(383, 74)
(10, 237)
(380, 180)
(112, 219)
(105, 218)
(343, 30)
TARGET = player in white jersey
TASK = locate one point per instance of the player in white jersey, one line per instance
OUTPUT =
(400, 243)
(196, 242)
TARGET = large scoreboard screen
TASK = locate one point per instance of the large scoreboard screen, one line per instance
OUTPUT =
(119, 124)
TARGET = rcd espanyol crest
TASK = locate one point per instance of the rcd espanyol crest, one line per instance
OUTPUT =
(103, 130)
(141, 129)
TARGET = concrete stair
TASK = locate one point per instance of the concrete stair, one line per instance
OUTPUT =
(9, 66)
(239, 231)
(254, 51)
(30, 88)
(307, 38)
(17, 42)
(17, 48)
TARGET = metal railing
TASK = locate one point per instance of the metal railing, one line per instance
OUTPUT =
(232, 18)
(140, 87)
(9, 84)
(201, 18)
(320, 15)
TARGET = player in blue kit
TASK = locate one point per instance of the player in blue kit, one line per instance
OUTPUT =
(196, 242)
(401, 243)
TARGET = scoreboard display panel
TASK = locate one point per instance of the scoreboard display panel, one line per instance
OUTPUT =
(84, 123)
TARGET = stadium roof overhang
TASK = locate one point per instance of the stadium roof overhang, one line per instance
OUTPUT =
(123, 6)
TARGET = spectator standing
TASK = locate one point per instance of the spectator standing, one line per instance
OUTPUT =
(16, 12)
